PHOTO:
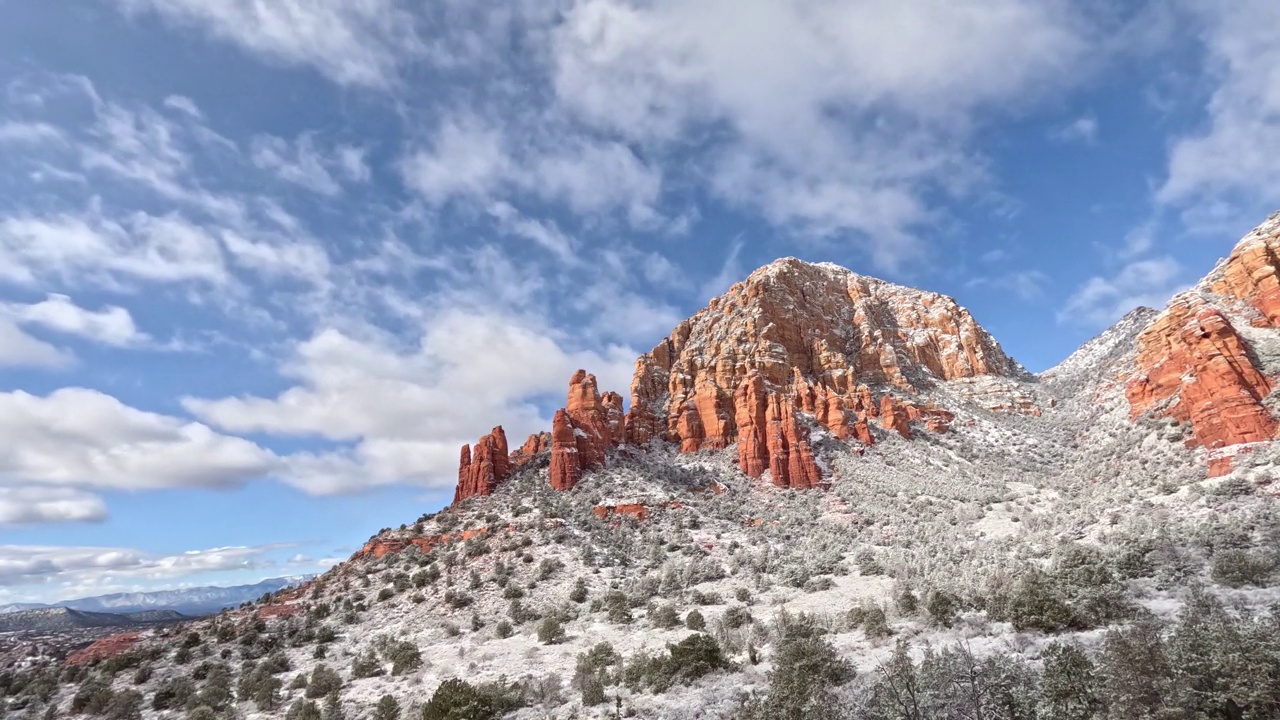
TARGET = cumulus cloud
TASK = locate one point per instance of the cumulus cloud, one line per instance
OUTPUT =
(112, 325)
(1100, 301)
(841, 115)
(408, 409)
(76, 437)
(33, 505)
(20, 349)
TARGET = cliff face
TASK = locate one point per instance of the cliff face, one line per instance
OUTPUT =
(1197, 362)
(794, 347)
(794, 337)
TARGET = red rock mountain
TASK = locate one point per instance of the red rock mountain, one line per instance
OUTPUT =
(799, 349)
(1209, 358)
(793, 348)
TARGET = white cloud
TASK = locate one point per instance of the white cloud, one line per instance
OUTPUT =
(466, 158)
(184, 104)
(113, 325)
(33, 505)
(76, 437)
(51, 573)
(1083, 129)
(840, 116)
(1025, 284)
(29, 133)
(18, 349)
(409, 409)
(113, 253)
(1233, 155)
(1100, 301)
(303, 163)
(354, 42)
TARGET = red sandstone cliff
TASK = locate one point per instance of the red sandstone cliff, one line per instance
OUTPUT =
(796, 337)
(1195, 363)
(794, 347)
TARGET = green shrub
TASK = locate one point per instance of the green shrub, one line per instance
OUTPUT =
(550, 631)
(695, 621)
(1236, 568)
(504, 629)
(579, 592)
(388, 708)
(682, 663)
(459, 700)
(942, 608)
(324, 680)
(665, 616)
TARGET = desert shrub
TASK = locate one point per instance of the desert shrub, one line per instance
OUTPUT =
(550, 631)
(459, 700)
(665, 616)
(125, 705)
(172, 694)
(366, 665)
(1237, 568)
(1037, 603)
(324, 680)
(941, 608)
(617, 607)
(404, 657)
(695, 621)
(388, 708)
(806, 669)
(579, 592)
(303, 709)
(736, 617)
(504, 629)
(1068, 686)
(682, 663)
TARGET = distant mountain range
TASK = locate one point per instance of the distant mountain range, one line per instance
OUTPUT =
(187, 601)
(61, 619)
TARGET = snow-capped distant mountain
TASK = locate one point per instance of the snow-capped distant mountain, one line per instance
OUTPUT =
(188, 601)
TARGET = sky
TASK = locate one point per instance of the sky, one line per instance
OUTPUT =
(266, 266)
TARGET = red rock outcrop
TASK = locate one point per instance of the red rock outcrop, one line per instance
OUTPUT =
(483, 467)
(536, 444)
(107, 647)
(796, 345)
(1250, 273)
(817, 338)
(1193, 366)
(584, 430)
(634, 511)
(566, 463)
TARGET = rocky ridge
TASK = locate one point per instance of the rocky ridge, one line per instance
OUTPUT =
(794, 348)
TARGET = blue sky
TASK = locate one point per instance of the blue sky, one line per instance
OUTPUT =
(264, 267)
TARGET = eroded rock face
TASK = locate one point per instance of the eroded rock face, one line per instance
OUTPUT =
(584, 430)
(1250, 273)
(535, 445)
(796, 338)
(1193, 366)
(794, 346)
(484, 466)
